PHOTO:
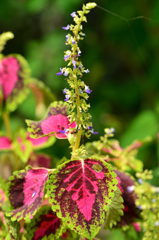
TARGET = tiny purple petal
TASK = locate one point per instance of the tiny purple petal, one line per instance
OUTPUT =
(73, 41)
(74, 63)
(60, 73)
(95, 132)
(67, 97)
(79, 53)
(66, 57)
(140, 181)
(130, 188)
(64, 131)
(64, 90)
(92, 130)
(66, 73)
(73, 14)
(86, 71)
(87, 89)
(139, 207)
(67, 27)
(67, 37)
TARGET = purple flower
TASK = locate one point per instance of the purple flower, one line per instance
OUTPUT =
(74, 63)
(66, 73)
(67, 37)
(80, 67)
(73, 14)
(66, 57)
(67, 97)
(130, 188)
(60, 73)
(79, 53)
(86, 71)
(64, 90)
(73, 41)
(87, 89)
(64, 131)
(92, 130)
(67, 27)
(140, 181)
(139, 207)
(110, 131)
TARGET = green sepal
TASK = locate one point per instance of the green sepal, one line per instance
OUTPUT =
(115, 210)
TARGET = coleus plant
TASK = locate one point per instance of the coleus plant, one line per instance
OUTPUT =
(83, 193)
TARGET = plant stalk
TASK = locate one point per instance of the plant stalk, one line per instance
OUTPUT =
(6, 121)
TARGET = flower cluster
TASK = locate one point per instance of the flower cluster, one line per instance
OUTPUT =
(78, 93)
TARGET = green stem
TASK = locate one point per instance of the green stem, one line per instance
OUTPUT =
(6, 121)
(79, 133)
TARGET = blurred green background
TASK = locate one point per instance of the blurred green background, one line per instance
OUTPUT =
(122, 57)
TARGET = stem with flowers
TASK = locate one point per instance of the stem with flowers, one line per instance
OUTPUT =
(78, 93)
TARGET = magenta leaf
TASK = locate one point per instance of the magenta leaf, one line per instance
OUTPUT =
(80, 192)
(42, 142)
(45, 224)
(5, 143)
(14, 78)
(56, 123)
(26, 190)
(131, 212)
(39, 160)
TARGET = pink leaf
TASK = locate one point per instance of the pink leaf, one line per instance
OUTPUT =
(37, 142)
(56, 122)
(5, 143)
(26, 190)
(39, 160)
(80, 192)
(9, 67)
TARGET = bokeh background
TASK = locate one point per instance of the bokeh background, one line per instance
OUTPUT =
(121, 54)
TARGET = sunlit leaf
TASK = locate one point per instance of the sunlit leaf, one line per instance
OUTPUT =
(115, 210)
(26, 190)
(14, 80)
(80, 192)
(56, 122)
